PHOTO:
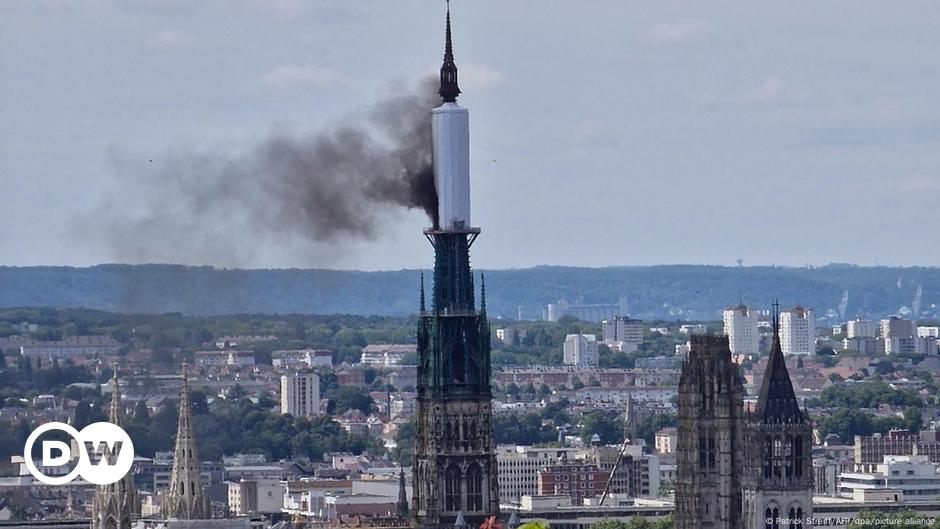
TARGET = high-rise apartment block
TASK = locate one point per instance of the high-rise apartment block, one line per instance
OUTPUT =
(798, 331)
(741, 328)
(581, 350)
(300, 394)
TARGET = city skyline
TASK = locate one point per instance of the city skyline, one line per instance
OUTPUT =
(668, 106)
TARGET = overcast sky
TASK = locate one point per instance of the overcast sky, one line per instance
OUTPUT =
(603, 132)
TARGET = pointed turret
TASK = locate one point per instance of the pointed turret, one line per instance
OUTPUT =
(776, 401)
(402, 495)
(186, 498)
(449, 89)
(116, 414)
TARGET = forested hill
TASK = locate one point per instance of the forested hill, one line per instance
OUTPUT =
(652, 292)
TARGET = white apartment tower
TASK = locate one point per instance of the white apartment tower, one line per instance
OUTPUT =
(798, 331)
(741, 328)
(300, 394)
(581, 350)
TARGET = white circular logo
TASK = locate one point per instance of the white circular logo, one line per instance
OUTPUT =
(105, 453)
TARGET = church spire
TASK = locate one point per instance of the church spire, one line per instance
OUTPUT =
(776, 401)
(185, 498)
(115, 504)
(116, 415)
(449, 89)
(402, 495)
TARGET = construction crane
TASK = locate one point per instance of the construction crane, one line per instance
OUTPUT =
(915, 305)
(610, 478)
(843, 305)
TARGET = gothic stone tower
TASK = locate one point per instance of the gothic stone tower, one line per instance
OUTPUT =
(186, 499)
(455, 472)
(778, 477)
(710, 438)
(114, 505)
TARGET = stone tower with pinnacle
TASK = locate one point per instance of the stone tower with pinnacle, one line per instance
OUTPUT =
(186, 499)
(115, 505)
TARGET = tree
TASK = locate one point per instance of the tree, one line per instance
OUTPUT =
(404, 443)
(607, 426)
(350, 398)
(521, 429)
(85, 414)
(141, 412)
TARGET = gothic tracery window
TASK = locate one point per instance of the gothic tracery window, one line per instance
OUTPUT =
(474, 488)
(452, 488)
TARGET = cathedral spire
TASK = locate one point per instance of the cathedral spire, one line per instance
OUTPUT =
(776, 401)
(449, 89)
(185, 499)
(115, 504)
(402, 495)
(116, 415)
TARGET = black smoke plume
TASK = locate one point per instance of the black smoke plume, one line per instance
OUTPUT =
(196, 207)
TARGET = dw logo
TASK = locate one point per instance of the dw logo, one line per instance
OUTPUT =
(105, 453)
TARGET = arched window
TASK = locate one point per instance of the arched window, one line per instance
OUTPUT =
(474, 489)
(777, 457)
(799, 516)
(776, 518)
(711, 451)
(768, 519)
(792, 520)
(452, 488)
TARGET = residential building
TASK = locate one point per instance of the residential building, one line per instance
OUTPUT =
(798, 331)
(265, 495)
(576, 479)
(740, 323)
(870, 450)
(581, 350)
(861, 329)
(693, 328)
(636, 476)
(666, 440)
(510, 336)
(300, 394)
(519, 466)
(385, 355)
(622, 334)
(301, 358)
(931, 332)
(72, 346)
